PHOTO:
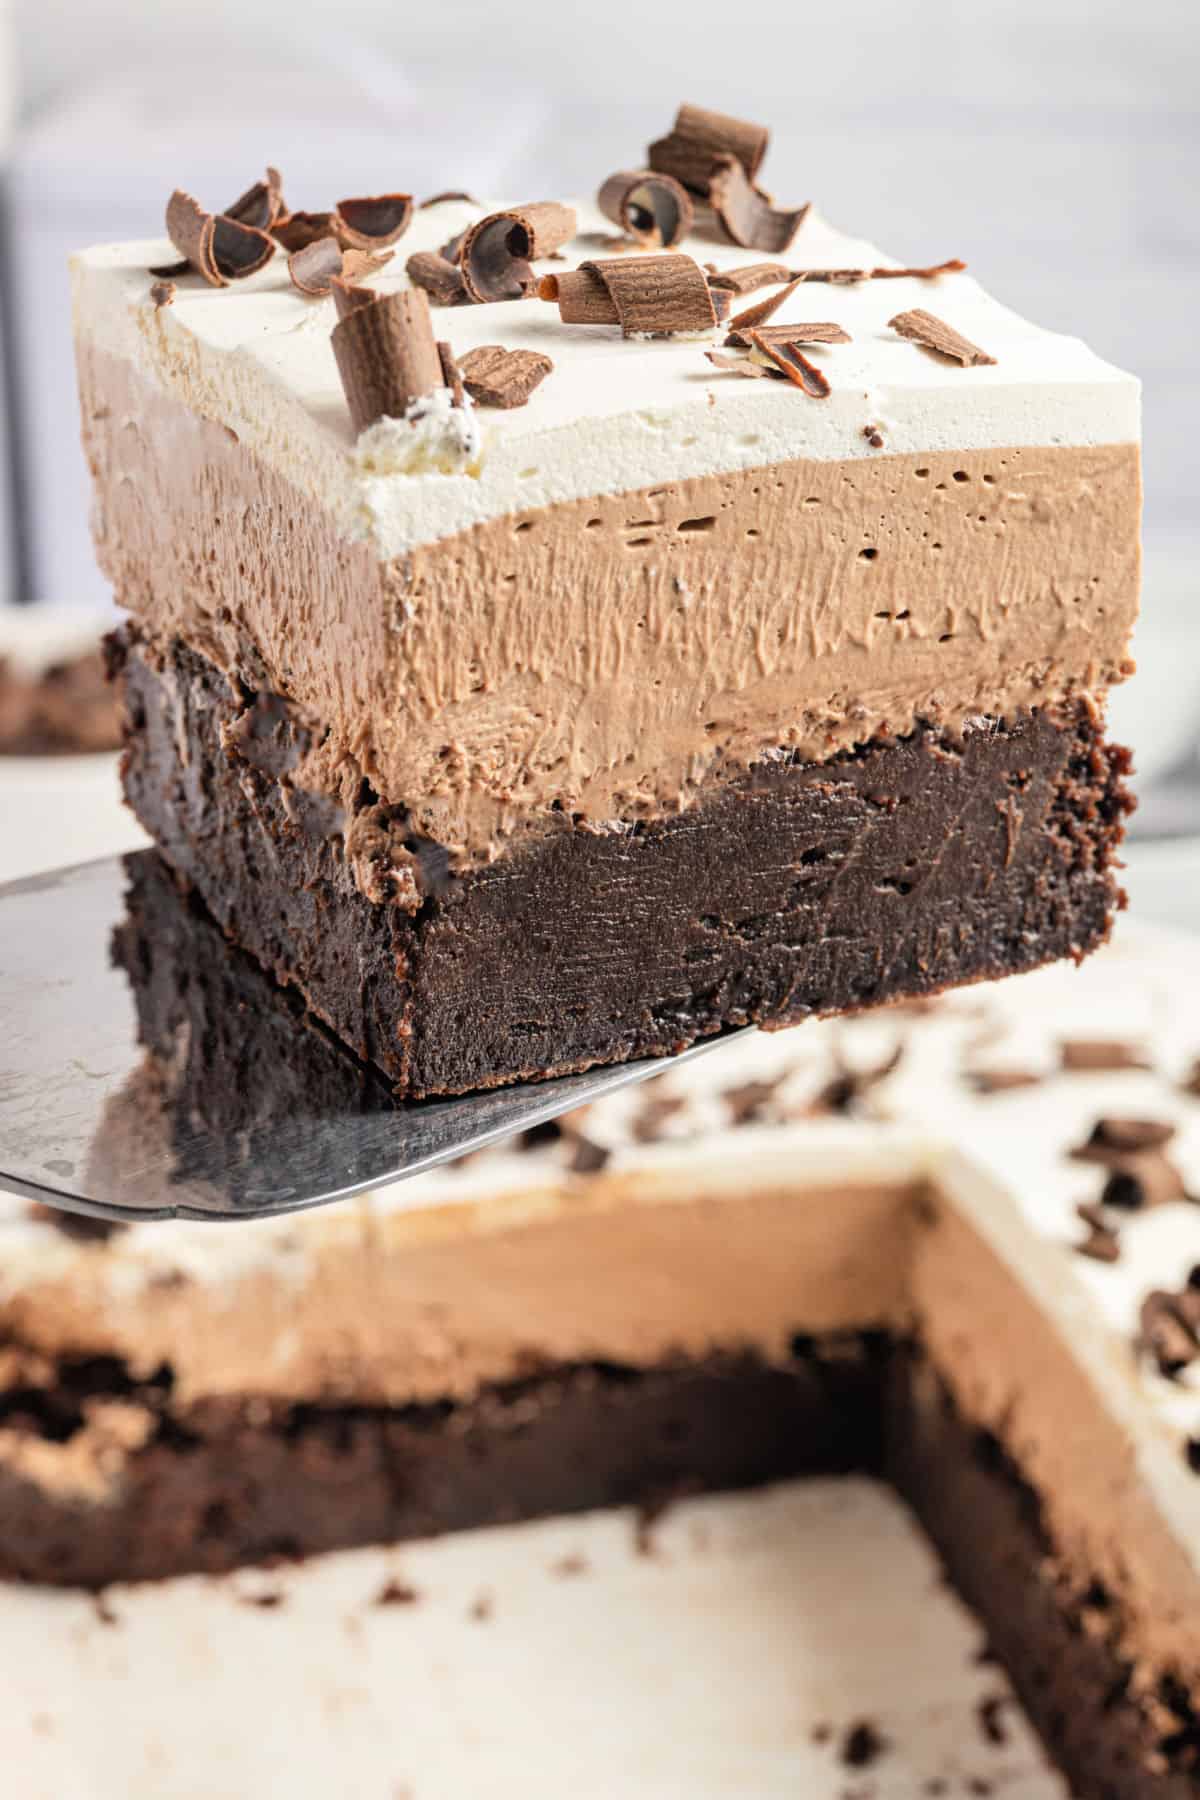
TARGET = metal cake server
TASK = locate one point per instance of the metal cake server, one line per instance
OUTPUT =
(162, 1076)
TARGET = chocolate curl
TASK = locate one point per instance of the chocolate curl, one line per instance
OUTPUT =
(651, 296)
(697, 142)
(296, 231)
(451, 373)
(496, 252)
(348, 296)
(370, 222)
(1112, 1139)
(654, 209)
(261, 205)
(754, 316)
(386, 354)
(746, 215)
(934, 334)
(314, 269)
(497, 377)
(817, 331)
(790, 361)
(441, 279)
(218, 248)
(1143, 1179)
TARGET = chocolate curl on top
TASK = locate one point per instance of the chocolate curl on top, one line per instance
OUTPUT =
(497, 251)
(260, 205)
(296, 231)
(314, 269)
(348, 296)
(651, 296)
(810, 332)
(752, 316)
(386, 353)
(370, 222)
(751, 276)
(698, 140)
(787, 356)
(653, 208)
(747, 216)
(934, 334)
(220, 249)
(441, 279)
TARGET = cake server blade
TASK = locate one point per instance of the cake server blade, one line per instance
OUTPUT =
(164, 1077)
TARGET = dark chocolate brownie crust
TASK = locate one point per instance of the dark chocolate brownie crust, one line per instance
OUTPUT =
(796, 890)
(223, 1482)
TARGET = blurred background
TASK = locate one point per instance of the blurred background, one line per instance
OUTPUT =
(1055, 144)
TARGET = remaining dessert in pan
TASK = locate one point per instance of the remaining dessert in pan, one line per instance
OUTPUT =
(560, 633)
(952, 1245)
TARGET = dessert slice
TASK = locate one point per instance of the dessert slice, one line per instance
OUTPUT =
(643, 694)
(854, 1249)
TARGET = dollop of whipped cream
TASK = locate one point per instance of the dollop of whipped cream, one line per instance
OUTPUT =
(434, 437)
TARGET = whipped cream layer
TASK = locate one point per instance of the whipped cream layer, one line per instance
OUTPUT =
(616, 415)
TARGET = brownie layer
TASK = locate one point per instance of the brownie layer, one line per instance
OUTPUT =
(226, 1482)
(795, 890)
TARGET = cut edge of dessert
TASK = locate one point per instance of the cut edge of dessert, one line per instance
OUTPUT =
(469, 680)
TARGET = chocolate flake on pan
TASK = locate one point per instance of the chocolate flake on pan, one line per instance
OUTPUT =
(746, 214)
(655, 209)
(386, 354)
(218, 248)
(762, 310)
(699, 140)
(372, 221)
(791, 361)
(314, 268)
(496, 252)
(752, 276)
(261, 205)
(934, 334)
(506, 378)
(737, 365)
(815, 331)
(441, 279)
(162, 293)
(650, 296)
(445, 198)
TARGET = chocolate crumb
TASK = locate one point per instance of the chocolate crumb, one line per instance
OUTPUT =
(163, 292)
(266, 1601)
(1091, 1056)
(504, 378)
(934, 334)
(482, 1608)
(103, 1608)
(574, 1564)
(992, 1722)
(396, 1593)
(862, 1745)
(873, 436)
(821, 1733)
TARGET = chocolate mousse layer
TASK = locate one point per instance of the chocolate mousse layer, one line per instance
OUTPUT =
(609, 657)
(792, 889)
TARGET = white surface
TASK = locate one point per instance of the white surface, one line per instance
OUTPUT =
(615, 415)
(698, 1672)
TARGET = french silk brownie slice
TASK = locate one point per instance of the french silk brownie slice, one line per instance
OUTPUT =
(556, 695)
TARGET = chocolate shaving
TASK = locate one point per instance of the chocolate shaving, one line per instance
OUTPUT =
(752, 276)
(652, 208)
(1101, 1246)
(348, 296)
(451, 374)
(357, 263)
(746, 215)
(370, 222)
(738, 365)
(1088, 1056)
(261, 205)
(1112, 1140)
(1168, 1325)
(588, 1158)
(163, 292)
(1001, 1081)
(1143, 1179)
(314, 268)
(295, 231)
(820, 331)
(762, 310)
(441, 279)
(653, 1114)
(497, 252)
(386, 354)
(497, 377)
(700, 141)
(443, 199)
(792, 362)
(934, 334)
(220, 249)
(651, 296)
